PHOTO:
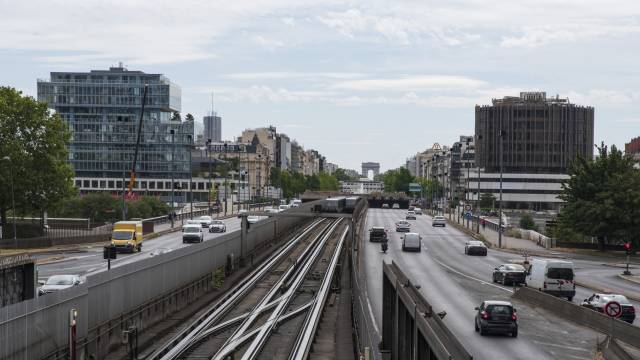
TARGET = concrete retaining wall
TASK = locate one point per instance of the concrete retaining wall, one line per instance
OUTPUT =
(616, 328)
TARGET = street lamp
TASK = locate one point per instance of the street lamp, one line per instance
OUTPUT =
(475, 159)
(208, 152)
(13, 201)
(502, 135)
(190, 138)
(172, 132)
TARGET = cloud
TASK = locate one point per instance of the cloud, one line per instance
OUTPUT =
(267, 43)
(539, 36)
(419, 82)
(288, 75)
(597, 97)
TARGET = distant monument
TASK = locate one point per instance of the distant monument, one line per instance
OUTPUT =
(366, 166)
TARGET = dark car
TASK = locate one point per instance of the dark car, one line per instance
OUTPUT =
(378, 234)
(475, 248)
(496, 317)
(509, 274)
(597, 302)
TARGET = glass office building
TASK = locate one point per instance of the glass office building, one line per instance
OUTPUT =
(102, 109)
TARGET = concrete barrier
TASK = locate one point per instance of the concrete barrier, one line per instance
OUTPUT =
(617, 329)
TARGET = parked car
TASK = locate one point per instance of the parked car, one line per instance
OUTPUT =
(192, 233)
(412, 242)
(217, 226)
(497, 317)
(59, 282)
(552, 276)
(475, 247)
(597, 302)
(510, 274)
(205, 221)
(395, 206)
(439, 220)
(417, 210)
(385, 206)
(403, 226)
(377, 234)
(410, 215)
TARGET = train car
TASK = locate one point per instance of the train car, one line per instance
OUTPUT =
(335, 204)
(350, 203)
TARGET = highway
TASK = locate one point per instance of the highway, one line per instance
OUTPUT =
(457, 283)
(89, 260)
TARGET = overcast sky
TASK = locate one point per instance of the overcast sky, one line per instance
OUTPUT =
(356, 80)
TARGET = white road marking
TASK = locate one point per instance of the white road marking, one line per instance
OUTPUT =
(373, 318)
(562, 346)
(470, 277)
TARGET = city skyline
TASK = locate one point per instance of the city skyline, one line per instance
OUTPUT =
(340, 77)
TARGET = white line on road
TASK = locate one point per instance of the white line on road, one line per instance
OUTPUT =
(470, 277)
(562, 346)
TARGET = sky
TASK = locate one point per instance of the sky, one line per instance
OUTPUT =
(356, 80)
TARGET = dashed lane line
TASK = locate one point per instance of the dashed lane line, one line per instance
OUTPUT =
(470, 277)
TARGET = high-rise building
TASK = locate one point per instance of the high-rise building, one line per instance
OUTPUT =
(283, 152)
(212, 127)
(102, 109)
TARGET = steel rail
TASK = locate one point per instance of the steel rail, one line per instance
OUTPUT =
(305, 338)
(174, 347)
(258, 342)
(298, 269)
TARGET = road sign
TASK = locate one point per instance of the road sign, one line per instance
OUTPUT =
(415, 187)
(613, 309)
(467, 207)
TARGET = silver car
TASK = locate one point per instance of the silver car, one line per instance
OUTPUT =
(439, 220)
(59, 282)
(412, 242)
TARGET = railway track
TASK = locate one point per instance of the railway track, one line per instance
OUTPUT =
(274, 312)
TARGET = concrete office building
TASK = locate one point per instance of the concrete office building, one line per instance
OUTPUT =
(212, 127)
(102, 109)
(540, 138)
(362, 186)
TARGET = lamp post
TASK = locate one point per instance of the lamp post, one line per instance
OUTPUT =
(13, 201)
(208, 151)
(226, 182)
(475, 158)
(502, 134)
(190, 138)
(172, 131)
(259, 180)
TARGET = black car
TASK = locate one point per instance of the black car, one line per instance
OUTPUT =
(378, 234)
(475, 248)
(496, 317)
(509, 274)
(597, 302)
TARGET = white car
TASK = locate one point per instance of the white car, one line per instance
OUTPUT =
(217, 226)
(284, 207)
(410, 215)
(418, 211)
(295, 203)
(439, 220)
(252, 219)
(412, 242)
(205, 221)
(403, 226)
(395, 206)
(59, 282)
(192, 233)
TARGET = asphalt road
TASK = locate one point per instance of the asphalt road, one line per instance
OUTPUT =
(457, 283)
(89, 260)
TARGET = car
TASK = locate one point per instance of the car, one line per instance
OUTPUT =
(217, 226)
(552, 276)
(598, 302)
(417, 210)
(403, 226)
(395, 206)
(411, 208)
(412, 242)
(497, 317)
(241, 212)
(252, 219)
(205, 221)
(377, 234)
(474, 247)
(192, 233)
(59, 282)
(509, 274)
(385, 206)
(295, 203)
(284, 207)
(410, 215)
(439, 220)
(193, 222)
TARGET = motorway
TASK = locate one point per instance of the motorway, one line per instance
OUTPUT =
(457, 283)
(86, 261)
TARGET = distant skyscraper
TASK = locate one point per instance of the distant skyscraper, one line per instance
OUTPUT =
(212, 127)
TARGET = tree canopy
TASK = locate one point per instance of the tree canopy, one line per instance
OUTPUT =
(33, 154)
(397, 180)
(294, 183)
(602, 198)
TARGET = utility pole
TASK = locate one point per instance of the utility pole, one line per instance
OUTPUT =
(208, 152)
(500, 220)
(172, 131)
(190, 138)
(475, 158)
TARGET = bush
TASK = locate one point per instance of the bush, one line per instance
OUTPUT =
(527, 223)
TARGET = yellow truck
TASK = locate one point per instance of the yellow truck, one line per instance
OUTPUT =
(127, 236)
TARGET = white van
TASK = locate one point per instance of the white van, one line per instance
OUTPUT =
(412, 242)
(192, 233)
(555, 277)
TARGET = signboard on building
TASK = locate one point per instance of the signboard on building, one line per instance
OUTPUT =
(415, 187)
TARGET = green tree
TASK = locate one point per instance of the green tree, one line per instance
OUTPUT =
(602, 198)
(527, 223)
(341, 175)
(487, 201)
(328, 182)
(33, 142)
(313, 182)
(397, 180)
(176, 116)
(189, 117)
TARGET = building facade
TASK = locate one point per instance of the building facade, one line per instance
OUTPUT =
(102, 109)
(212, 127)
(362, 186)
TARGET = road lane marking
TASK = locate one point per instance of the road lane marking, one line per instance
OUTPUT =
(562, 346)
(470, 277)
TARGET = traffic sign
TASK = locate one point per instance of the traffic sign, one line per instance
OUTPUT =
(415, 187)
(467, 207)
(613, 309)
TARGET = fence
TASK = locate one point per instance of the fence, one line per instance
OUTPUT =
(38, 328)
